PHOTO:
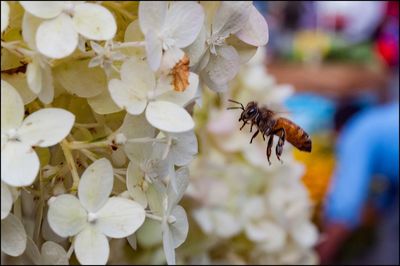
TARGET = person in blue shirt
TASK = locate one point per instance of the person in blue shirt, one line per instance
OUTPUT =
(367, 147)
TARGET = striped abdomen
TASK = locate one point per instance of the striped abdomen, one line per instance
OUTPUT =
(294, 134)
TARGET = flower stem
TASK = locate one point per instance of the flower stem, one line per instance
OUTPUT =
(78, 145)
(90, 125)
(71, 164)
(128, 44)
(154, 217)
(145, 140)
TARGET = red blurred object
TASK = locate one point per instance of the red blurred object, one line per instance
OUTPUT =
(388, 50)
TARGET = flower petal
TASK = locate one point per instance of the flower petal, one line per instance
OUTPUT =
(224, 66)
(12, 107)
(46, 127)
(182, 98)
(266, 232)
(66, 216)
(305, 234)
(184, 147)
(18, 81)
(184, 21)
(138, 74)
(168, 245)
(149, 234)
(152, 15)
(126, 98)
(6, 200)
(13, 236)
(255, 31)
(180, 227)
(197, 48)
(91, 247)
(94, 22)
(19, 164)
(57, 38)
(103, 104)
(244, 50)
(132, 241)
(133, 34)
(53, 254)
(96, 185)
(153, 49)
(169, 117)
(120, 217)
(77, 78)
(43, 9)
(48, 233)
(231, 17)
(155, 200)
(31, 254)
(136, 126)
(182, 182)
(5, 15)
(34, 76)
(30, 24)
(46, 95)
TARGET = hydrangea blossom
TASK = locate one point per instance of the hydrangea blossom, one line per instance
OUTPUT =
(138, 86)
(168, 27)
(221, 60)
(94, 215)
(113, 117)
(13, 236)
(43, 128)
(57, 35)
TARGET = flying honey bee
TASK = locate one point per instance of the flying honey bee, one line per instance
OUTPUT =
(269, 124)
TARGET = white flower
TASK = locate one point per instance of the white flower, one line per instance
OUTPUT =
(38, 72)
(57, 35)
(5, 15)
(217, 221)
(175, 223)
(169, 117)
(44, 128)
(6, 200)
(138, 86)
(183, 147)
(94, 216)
(221, 61)
(13, 236)
(105, 56)
(79, 79)
(176, 26)
(51, 253)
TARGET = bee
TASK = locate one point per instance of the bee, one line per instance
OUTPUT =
(269, 124)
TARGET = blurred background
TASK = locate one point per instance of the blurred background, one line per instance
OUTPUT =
(342, 57)
(331, 67)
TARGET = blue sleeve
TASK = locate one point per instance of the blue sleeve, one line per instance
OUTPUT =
(351, 180)
(368, 145)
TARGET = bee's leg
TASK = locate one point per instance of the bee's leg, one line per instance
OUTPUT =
(244, 123)
(269, 147)
(279, 147)
(251, 127)
(254, 135)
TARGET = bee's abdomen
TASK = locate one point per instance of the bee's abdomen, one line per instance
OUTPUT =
(295, 134)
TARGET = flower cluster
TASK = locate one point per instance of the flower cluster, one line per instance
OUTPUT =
(96, 127)
(250, 212)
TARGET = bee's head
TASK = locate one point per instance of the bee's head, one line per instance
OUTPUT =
(250, 111)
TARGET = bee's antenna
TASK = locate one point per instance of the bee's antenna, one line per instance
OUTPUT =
(233, 101)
